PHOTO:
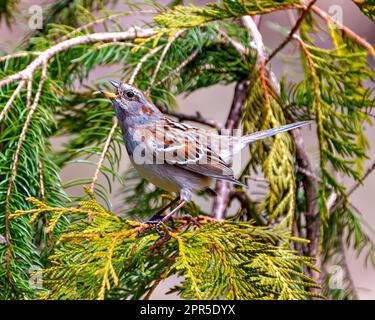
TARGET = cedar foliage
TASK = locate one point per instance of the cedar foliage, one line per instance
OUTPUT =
(84, 250)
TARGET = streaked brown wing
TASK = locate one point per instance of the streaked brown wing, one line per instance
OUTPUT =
(179, 144)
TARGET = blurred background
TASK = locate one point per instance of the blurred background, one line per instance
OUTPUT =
(214, 103)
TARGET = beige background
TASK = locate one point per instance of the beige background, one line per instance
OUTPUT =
(214, 102)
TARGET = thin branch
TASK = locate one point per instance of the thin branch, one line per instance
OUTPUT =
(42, 195)
(141, 62)
(18, 55)
(251, 26)
(351, 34)
(182, 65)
(103, 154)
(161, 59)
(292, 31)
(11, 99)
(103, 19)
(249, 206)
(344, 263)
(14, 170)
(256, 179)
(242, 50)
(41, 179)
(29, 92)
(198, 118)
(152, 289)
(334, 206)
(44, 56)
(310, 174)
(312, 215)
(257, 37)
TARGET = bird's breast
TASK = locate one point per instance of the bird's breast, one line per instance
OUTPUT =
(172, 178)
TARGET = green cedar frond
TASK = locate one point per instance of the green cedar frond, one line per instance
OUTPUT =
(105, 257)
(218, 259)
(191, 15)
(263, 111)
(335, 90)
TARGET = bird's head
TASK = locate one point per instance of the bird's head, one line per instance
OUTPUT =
(129, 101)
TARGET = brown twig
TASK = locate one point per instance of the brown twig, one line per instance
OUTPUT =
(335, 205)
(198, 118)
(312, 215)
(152, 289)
(292, 31)
(351, 34)
(223, 189)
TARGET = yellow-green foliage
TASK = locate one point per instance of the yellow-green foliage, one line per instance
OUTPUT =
(100, 255)
(191, 15)
(263, 110)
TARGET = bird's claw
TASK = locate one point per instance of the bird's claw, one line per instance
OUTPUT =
(158, 224)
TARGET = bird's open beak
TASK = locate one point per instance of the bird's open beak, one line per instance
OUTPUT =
(109, 95)
(114, 83)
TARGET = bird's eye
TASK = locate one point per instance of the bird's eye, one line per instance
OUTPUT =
(130, 94)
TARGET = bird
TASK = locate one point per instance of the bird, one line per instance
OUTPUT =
(172, 155)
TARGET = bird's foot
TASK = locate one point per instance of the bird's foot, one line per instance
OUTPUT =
(158, 224)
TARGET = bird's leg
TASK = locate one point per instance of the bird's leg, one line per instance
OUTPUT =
(164, 219)
(185, 196)
(157, 214)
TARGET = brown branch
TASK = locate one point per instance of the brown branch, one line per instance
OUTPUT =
(223, 189)
(44, 56)
(351, 34)
(312, 215)
(292, 31)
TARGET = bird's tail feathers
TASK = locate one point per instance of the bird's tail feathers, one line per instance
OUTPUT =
(268, 133)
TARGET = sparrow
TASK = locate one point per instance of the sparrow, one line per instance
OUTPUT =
(174, 156)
